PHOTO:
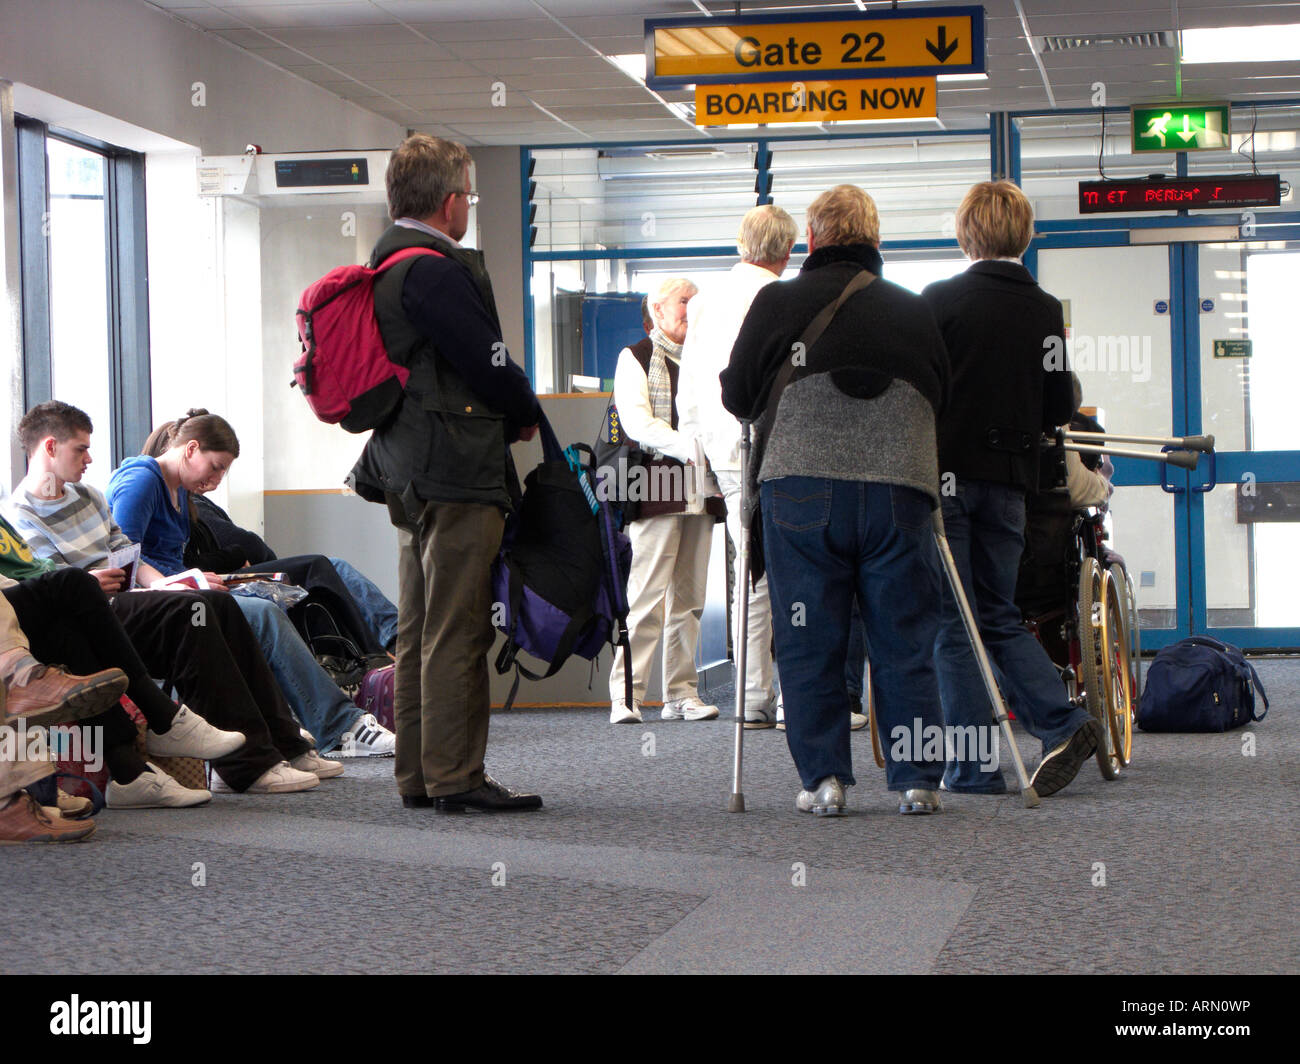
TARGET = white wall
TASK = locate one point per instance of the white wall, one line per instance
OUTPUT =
(126, 73)
(139, 65)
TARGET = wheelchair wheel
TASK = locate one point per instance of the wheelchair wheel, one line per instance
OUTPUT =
(1092, 664)
(1128, 598)
(1117, 677)
(1134, 633)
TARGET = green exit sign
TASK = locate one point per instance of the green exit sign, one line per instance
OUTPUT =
(1180, 127)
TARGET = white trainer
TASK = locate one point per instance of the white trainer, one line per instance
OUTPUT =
(858, 721)
(192, 736)
(312, 762)
(366, 738)
(620, 714)
(688, 709)
(278, 779)
(153, 789)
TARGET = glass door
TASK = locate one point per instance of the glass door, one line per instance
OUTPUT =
(1181, 339)
(1120, 304)
(1242, 359)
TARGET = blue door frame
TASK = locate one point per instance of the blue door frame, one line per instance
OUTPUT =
(1228, 468)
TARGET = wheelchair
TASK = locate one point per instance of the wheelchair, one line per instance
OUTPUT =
(1079, 601)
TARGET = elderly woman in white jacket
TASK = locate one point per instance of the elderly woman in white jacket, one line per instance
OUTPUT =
(673, 530)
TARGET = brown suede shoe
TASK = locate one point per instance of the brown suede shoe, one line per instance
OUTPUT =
(53, 696)
(23, 820)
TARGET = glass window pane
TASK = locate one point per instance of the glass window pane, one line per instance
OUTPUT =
(79, 338)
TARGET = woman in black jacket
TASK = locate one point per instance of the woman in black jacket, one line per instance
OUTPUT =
(1010, 383)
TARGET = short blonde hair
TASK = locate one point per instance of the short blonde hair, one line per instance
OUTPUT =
(767, 233)
(844, 215)
(666, 289)
(995, 221)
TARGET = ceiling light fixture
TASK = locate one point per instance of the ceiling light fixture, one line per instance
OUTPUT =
(1242, 44)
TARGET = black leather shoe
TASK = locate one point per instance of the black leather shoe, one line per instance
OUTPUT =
(417, 801)
(491, 797)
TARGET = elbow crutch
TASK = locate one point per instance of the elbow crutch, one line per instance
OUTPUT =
(736, 804)
(1027, 792)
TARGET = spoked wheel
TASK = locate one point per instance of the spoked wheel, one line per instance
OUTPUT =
(1093, 658)
(1134, 634)
(1118, 676)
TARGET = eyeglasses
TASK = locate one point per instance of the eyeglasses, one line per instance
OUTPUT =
(471, 198)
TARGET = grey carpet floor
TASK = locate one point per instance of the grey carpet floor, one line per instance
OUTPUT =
(635, 865)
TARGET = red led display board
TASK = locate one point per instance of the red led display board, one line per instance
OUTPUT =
(1179, 194)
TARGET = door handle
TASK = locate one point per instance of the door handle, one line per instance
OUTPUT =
(1213, 482)
(1165, 486)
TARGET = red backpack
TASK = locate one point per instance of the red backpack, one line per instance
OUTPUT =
(344, 371)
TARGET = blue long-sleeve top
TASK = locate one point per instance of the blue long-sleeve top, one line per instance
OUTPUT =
(142, 507)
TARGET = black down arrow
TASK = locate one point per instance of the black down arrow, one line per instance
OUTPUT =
(943, 49)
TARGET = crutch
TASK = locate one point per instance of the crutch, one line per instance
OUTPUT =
(1027, 792)
(741, 641)
(1183, 451)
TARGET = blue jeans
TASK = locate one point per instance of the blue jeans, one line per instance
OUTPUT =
(855, 664)
(985, 526)
(316, 701)
(379, 613)
(824, 542)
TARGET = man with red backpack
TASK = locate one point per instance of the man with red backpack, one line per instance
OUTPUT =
(441, 463)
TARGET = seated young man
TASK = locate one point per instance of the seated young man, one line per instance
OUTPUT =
(70, 523)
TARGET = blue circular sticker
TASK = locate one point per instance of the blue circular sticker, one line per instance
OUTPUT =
(1207, 306)
(1162, 306)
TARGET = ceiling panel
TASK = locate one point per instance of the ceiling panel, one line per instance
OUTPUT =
(440, 57)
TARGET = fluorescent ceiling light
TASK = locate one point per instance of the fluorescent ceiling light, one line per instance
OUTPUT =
(632, 64)
(962, 77)
(1242, 44)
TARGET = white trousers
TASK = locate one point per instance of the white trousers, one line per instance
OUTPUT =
(665, 593)
(758, 653)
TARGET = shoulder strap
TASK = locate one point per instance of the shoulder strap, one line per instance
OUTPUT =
(403, 255)
(808, 338)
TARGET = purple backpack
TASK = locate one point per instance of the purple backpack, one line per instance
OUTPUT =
(560, 580)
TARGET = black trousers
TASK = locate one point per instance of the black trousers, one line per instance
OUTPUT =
(68, 621)
(199, 643)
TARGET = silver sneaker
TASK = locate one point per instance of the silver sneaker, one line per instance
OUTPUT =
(826, 800)
(919, 801)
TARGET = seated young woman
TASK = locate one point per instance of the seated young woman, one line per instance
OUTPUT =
(150, 502)
(358, 608)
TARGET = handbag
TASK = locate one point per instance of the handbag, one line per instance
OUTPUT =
(616, 456)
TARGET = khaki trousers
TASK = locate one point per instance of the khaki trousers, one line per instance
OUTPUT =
(444, 633)
(665, 594)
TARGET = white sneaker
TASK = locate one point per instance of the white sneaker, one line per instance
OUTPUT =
(367, 738)
(620, 714)
(192, 736)
(312, 762)
(858, 721)
(688, 709)
(153, 789)
(780, 714)
(278, 779)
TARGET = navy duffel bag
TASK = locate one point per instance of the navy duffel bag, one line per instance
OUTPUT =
(1200, 685)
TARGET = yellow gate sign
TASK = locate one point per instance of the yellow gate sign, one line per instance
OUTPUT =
(815, 101)
(928, 41)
